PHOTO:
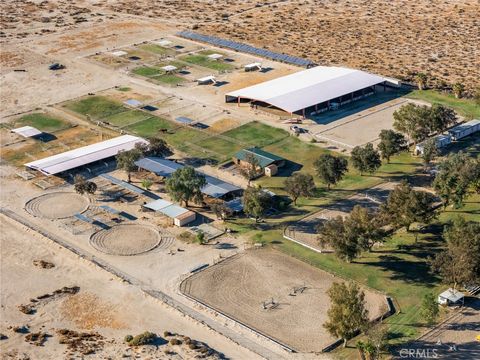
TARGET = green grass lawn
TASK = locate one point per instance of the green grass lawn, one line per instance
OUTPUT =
(464, 107)
(157, 49)
(150, 127)
(96, 107)
(203, 60)
(220, 146)
(302, 155)
(158, 75)
(256, 134)
(42, 122)
(399, 268)
(126, 118)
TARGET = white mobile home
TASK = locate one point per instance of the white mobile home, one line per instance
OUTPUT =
(463, 130)
(440, 140)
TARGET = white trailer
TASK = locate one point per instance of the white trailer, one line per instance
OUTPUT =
(463, 130)
(440, 140)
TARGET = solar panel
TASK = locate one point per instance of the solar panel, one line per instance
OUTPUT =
(244, 48)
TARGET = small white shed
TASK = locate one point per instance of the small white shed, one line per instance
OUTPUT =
(451, 297)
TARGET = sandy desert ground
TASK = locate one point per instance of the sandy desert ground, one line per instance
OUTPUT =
(392, 38)
(103, 305)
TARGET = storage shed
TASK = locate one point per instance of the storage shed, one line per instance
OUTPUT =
(178, 214)
(451, 297)
(463, 130)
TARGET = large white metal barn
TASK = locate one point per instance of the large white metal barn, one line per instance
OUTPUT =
(85, 155)
(314, 89)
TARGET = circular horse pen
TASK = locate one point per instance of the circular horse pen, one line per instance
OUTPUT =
(126, 239)
(57, 205)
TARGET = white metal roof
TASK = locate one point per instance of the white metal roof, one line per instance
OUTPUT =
(253, 65)
(119, 53)
(27, 131)
(215, 56)
(306, 88)
(167, 208)
(169, 68)
(207, 78)
(452, 295)
(462, 127)
(162, 42)
(85, 155)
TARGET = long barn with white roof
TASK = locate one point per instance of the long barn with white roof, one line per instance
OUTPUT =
(310, 90)
(85, 155)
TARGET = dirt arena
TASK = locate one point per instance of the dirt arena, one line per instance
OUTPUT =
(57, 205)
(126, 239)
(239, 285)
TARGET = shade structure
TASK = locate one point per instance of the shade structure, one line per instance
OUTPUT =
(307, 88)
(169, 68)
(85, 155)
(215, 56)
(215, 187)
(27, 131)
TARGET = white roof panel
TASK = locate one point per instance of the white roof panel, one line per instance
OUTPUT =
(306, 88)
(215, 56)
(27, 131)
(452, 295)
(162, 42)
(169, 68)
(206, 78)
(119, 53)
(85, 155)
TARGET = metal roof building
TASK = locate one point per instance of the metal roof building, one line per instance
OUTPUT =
(158, 166)
(85, 155)
(180, 215)
(215, 187)
(27, 131)
(307, 88)
(264, 158)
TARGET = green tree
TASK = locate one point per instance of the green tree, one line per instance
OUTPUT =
(365, 226)
(299, 184)
(412, 120)
(377, 340)
(147, 184)
(251, 168)
(429, 310)
(158, 147)
(200, 237)
(221, 210)
(458, 89)
(185, 184)
(330, 169)
(459, 263)
(366, 159)
(336, 233)
(441, 118)
(405, 206)
(347, 313)
(430, 151)
(421, 80)
(391, 143)
(82, 186)
(456, 175)
(126, 160)
(256, 202)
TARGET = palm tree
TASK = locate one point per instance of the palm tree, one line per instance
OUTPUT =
(421, 80)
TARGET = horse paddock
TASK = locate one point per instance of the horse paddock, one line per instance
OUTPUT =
(275, 294)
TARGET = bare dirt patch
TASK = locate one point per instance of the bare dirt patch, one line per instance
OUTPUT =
(239, 286)
(131, 239)
(57, 205)
(88, 311)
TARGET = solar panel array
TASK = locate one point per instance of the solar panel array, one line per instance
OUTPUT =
(245, 48)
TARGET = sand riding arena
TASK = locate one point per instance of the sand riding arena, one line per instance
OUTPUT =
(57, 205)
(278, 296)
(126, 239)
